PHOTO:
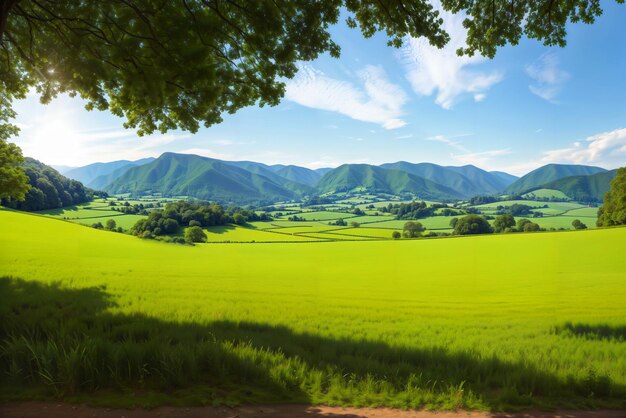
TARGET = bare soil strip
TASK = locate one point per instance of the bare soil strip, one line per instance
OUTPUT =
(59, 410)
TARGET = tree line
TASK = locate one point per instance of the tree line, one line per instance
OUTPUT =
(192, 214)
(47, 189)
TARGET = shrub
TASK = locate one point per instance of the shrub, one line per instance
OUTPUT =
(396, 235)
(195, 234)
(577, 224)
(472, 224)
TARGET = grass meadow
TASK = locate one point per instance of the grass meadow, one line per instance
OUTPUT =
(487, 322)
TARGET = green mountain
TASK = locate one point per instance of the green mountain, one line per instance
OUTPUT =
(506, 178)
(485, 182)
(547, 174)
(351, 176)
(99, 175)
(468, 180)
(323, 170)
(203, 178)
(584, 188)
(49, 189)
(267, 171)
(298, 174)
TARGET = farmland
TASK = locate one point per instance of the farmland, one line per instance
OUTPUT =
(487, 322)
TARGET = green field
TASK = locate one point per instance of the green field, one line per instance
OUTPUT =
(515, 320)
(546, 194)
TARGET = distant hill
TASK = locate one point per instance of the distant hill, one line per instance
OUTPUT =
(323, 170)
(266, 171)
(589, 188)
(98, 175)
(507, 178)
(49, 189)
(548, 173)
(351, 176)
(299, 174)
(62, 168)
(468, 180)
(204, 178)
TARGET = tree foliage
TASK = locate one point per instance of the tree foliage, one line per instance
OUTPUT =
(13, 181)
(613, 212)
(413, 229)
(503, 223)
(182, 63)
(472, 224)
(195, 234)
(48, 189)
(167, 221)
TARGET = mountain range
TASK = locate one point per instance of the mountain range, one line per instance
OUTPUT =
(249, 182)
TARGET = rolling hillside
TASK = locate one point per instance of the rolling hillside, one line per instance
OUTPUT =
(298, 174)
(547, 174)
(584, 188)
(351, 176)
(202, 178)
(99, 175)
(482, 180)
(505, 177)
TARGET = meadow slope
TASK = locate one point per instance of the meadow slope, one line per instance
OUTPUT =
(495, 321)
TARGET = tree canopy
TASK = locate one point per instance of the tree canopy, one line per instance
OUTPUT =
(164, 65)
(472, 224)
(613, 212)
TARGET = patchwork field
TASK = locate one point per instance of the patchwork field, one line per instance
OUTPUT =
(515, 320)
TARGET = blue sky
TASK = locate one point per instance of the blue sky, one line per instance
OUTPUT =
(529, 106)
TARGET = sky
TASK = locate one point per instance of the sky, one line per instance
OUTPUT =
(529, 106)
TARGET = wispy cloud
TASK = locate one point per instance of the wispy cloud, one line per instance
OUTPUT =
(607, 148)
(451, 141)
(374, 100)
(431, 70)
(548, 78)
(404, 136)
(481, 159)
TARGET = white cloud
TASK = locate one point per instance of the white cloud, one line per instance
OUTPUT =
(481, 159)
(450, 140)
(607, 149)
(431, 70)
(376, 100)
(404, 136)
(548, 77)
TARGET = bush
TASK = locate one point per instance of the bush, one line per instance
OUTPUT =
(503, 222)
(472, 224)
(396, 235)
(97, 225)
(412, 229)
(111, 225)
(193, 222)
(531, 227)
(355, 224)
(195, 234)
(577, 224)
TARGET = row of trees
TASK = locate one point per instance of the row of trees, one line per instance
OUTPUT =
(192, 214)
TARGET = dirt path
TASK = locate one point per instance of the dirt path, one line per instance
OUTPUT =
(54, 410)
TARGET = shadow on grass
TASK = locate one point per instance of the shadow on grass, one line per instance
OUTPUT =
(68, 342)
(221, 229)
(592, 331)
